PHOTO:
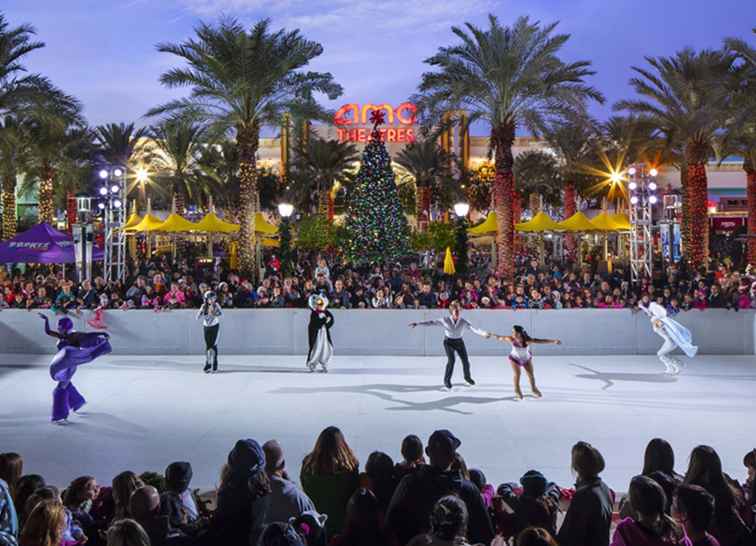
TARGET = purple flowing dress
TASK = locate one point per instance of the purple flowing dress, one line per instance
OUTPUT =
(74, 349)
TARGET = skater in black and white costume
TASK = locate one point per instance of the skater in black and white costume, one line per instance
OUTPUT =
(319, 333)
(210, 313)
(454, 327)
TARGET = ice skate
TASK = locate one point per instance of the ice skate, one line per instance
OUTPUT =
(537, 393)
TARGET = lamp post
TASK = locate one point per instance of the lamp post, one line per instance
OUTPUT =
(82, 236)
(112, 196)
(642, 186)
(285, 210)
(461, 209)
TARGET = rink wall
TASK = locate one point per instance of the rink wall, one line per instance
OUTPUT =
(385, 332)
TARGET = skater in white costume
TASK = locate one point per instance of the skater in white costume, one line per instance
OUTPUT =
(319, 333)
(674, 335)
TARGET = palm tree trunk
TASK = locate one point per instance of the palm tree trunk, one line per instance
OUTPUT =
(422, 207)
(502, 137)
(570, 208)
(323, 201)
(534, 203)
(248, 139)
(516, 214)
(46, 205)
(331, 206)
(685, 211)
(699, 219)
(751, 195)
(9, 205)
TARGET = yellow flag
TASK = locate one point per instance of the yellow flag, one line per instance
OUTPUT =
(449, 263)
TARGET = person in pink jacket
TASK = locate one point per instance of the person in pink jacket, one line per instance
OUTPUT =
(175, 297)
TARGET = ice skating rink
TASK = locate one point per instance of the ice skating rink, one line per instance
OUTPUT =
(145, 412)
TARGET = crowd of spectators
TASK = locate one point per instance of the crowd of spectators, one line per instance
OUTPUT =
(429, 498)
(160, 284)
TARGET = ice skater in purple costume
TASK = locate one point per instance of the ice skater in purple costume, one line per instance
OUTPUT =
(74, 349)
(520, 357)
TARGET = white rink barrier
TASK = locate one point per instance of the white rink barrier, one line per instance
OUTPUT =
(386, 332)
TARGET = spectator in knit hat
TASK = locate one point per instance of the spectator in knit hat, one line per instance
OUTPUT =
(177, 502)
(536, 506)
(409, 512)
(286, 499)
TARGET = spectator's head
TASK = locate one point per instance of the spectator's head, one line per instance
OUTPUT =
(246, 468)
(749, 461)
(65, 325)
(534, 536)
(127, 532)
(331, 454)
(412, 450)
(47, 493)
(144, 503)
(124, 484)
(363, 514)
(82, 489)
(275, 463)
(647, 498)
(45, 525)
(11, 469)
(25, 487)
(693, 507)
(379, 467)
(533, 484)
(705, 469)
(449, 519)
(587, 461)
(659, 456)
(460, 465)
(280, 534)
(442, 448)
(478, 478)
(178, 476)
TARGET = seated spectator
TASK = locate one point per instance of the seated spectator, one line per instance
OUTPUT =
(174, 298)
(535, 536)
(380, 300)
(427, 298)
(65, 301)
(127, 532)
(589, 516)
(694, 508)
(45, 525)
(412, 453)
(11, 470)
(8, 517)
(25, 488)
(380, 478)
(178, 502)
(536, 506)
(413, 502)
(329, 476)
(650, 525)
(749, 487)
(47, 493)
(448, 524)
(705, 470)
(487, 490)
(124, 484)
(340, 297)
(364, 525)
(658, 464)
(286, 500)
(240, 515)
(78, 498)
(281, 534)
(144, 506)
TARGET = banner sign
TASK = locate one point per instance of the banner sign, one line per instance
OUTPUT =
(352, 122)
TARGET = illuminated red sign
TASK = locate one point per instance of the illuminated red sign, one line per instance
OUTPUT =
(351, 121)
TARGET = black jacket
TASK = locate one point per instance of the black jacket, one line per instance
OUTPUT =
(589, 516)
(409, 511)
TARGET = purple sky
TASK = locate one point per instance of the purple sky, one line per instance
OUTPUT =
(103, 51)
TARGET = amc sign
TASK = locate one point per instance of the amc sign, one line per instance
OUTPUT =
(352, 123)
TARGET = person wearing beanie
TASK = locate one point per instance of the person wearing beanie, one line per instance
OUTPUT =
(210, 313)
(410, 509)
(287, 500)
(178, 502)
(536, 505)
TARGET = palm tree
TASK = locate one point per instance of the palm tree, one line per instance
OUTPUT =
(220, 163)
(13, 148)
(16, 89)
(176, 146)
(319, 165)
(684, 97)
(509, 77)
(538, 178)
(241, 81)
(429, 165)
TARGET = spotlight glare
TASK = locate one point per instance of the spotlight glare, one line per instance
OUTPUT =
(117, 172)
(103, 191)
(103, 174)
(634, 200)
(652, 186)
(653, 172)
(117, 203)
(114, 188)
(652, 199)
(631, 171)
(101, 206)
(632, 186)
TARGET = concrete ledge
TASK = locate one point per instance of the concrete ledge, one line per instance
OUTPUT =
(385, 332)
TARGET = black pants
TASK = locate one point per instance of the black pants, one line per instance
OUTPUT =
(452, 346)
(211, 342)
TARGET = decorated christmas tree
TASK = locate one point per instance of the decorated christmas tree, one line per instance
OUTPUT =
(377, 229)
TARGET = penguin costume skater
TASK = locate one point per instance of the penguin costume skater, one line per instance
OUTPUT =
(674, 335)
(74, 350)
(210, 313)
(319, 333)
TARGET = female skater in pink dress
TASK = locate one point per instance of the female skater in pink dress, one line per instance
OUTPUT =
(520, 357)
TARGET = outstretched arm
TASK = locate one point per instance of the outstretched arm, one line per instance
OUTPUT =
(503, 339)
(537, 341)
(434, 322)
(48, 331)
(477, 331)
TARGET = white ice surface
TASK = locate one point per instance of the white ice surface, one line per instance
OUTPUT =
(145, 412)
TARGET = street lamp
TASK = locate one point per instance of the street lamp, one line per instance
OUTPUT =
(285, 210)
(461, 209)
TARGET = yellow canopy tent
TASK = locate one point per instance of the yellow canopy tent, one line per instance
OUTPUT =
(132, 222)
(176, 224)
(486, 228)
(604, 222)
(263, 226)
(538, 224)
(270, 243)
(576, 223)
(212, 224)
(148, 223)
(621, 221)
